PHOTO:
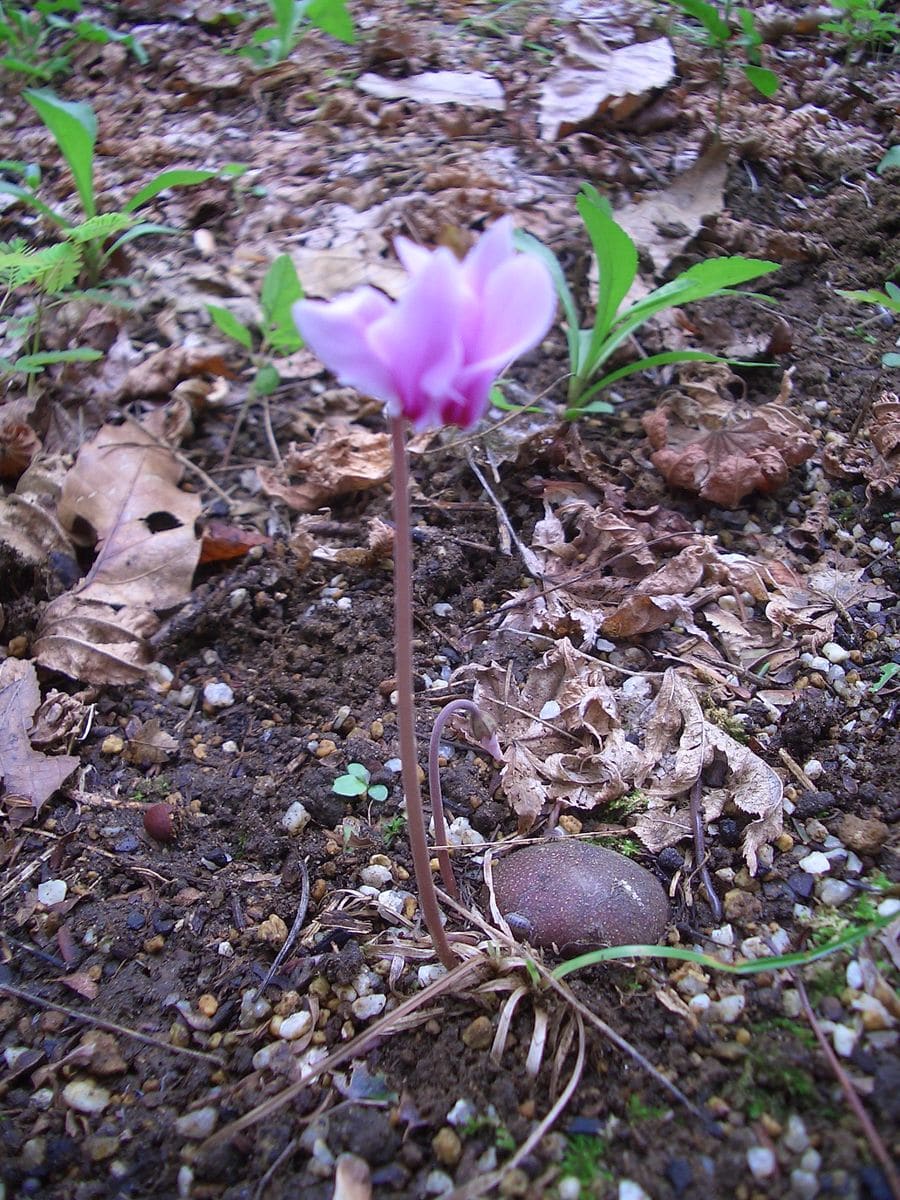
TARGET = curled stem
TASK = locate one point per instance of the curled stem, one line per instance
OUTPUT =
(403, 636)
(483, 731)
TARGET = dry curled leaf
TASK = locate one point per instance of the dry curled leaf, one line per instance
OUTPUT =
(874, 454)
(28, 523)
(18, 446)
(223, 541)
(29, 777)
(121, 496)
(722, 450)
(148, 744)
(342, 458)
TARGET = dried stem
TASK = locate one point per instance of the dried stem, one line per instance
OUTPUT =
(403, 636)
(700, 850)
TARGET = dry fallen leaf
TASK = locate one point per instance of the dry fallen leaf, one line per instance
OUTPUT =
(28, 523)
(470, 88)
(342, 458)
(592, 81)
(148, 744)
(223, 541)
(122, 496)
(875, 452)
(28, 776)
(723, 450)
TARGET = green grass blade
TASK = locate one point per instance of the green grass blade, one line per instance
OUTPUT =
(755, 966)
(167, 179)
(617, 262)
(641, 364)
(28, 198)
(74, 126)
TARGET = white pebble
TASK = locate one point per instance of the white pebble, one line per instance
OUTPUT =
(376, 875)
(394, 765)
(804, 1185)
(815, 864)
(392, 900)
(728, 1009)
(568, 1188)
(813, 767)
(429, 973)
(811, 1160)
(835, 653)
(198, 1124)
(855, 978)
(878, 544)
(889, 908)
(237, 598)
(795, 1138)
(442, 610)
(160, 677)
(550, 710)
(462, 1112)
(844, 1039)
(295, 819)
(217, 695)
(185, 1181)
(761, 1162)
(225, 950)
(86, 1096)
(438, 1183)
(723, 936)
(629, 1190)
(699, 1004)
(834, 892)
(294, 1026)
(368, 1006)
(230, 747)
(52, 891)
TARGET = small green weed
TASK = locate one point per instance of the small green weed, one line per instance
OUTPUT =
(626, 806)
(392, 828)
(622, 844)
(617, 263)
(638, 1110)
(584, 1157)
(25, 31)
(276, 42)
(356, 783)
(866, 24)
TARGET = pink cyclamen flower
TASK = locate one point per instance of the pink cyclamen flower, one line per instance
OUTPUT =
(433, 354)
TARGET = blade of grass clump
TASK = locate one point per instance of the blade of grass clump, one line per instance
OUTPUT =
(617, 261)
(74, 127)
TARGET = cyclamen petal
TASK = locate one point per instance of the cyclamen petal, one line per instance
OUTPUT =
(433, 354)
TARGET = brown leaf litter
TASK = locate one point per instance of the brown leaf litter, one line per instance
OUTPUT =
(29, 776)
(873, 453)
(575, 734)
(342, 458)
(705, 442)
(121, 497)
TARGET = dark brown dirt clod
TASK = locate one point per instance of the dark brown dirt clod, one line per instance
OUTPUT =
(575, 895)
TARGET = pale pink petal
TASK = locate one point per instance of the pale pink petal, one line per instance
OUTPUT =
(420, 338)
(414, 257)
(490, 251)
(517, 309)
(337, 331)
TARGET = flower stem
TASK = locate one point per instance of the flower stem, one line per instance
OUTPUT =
(403, 636)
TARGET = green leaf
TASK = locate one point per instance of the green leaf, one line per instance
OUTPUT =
(764, 80)
(267, 380)
(51, 268)
(46, 358)
(708, 16)
(74, 126)
(890, 360)
(872, 296)
(230, 325)
(642, 364)
(358, 771)
(378, 792)
(888, 671)
(349, 785)
(281, 288)
(891, 161)
(142, 229)
(99, 228)
(332, 17)
(179, 177)
(28, 197)
(617, 261)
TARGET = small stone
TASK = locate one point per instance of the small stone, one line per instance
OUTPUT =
(568, 1188)
(208, 1005)
(804, 1184)
(375, 875)
(273, 930)
(294, 1026)
(295, 819)
(52, 891)
(812, 767)
(101, 1148)
(784, 842)
(438, 1183)
(570, 824)
(462, 1112)
(447, 1147)
(761, 1161)
(326, 748)
(728, 1009)
(742, 907)
(478, 1034)
(86, 1096)
(834, 892)
(835, 653)
(113, 744)
(865, 836)
(844, 1039)
(185, 1181)
(514, 1183)
(198, 1124)
(629, 1190)
(217, 695)
(366, 1007)
(795, 1138)
(815, 864)
(811, 1160)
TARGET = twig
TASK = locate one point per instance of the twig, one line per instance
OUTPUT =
(871, 1133)
(295, 928)
(700, 850)
(270, 433)
(111, 1026)
(529, 558)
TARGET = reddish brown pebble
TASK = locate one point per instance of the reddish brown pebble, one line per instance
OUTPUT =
(159, 822)
(576, 896)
